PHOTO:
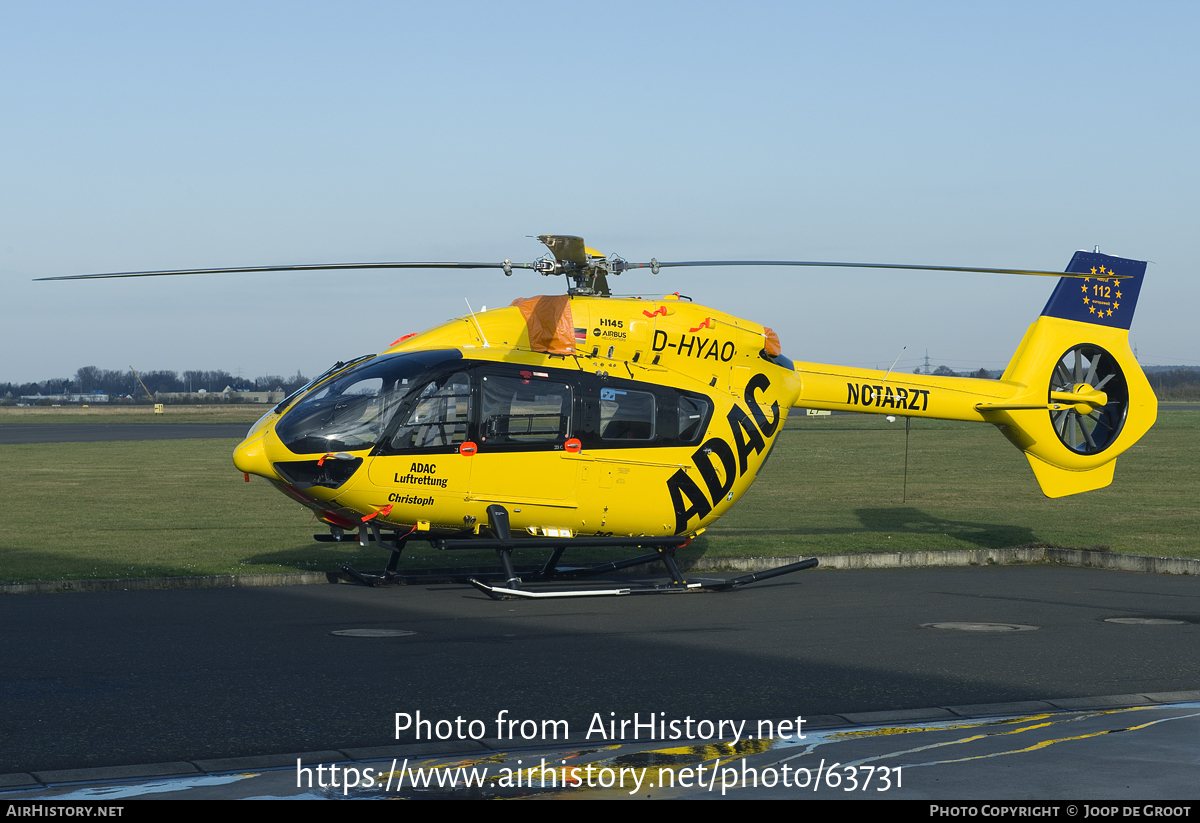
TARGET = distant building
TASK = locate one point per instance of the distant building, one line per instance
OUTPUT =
(229, 395)
(249, 396)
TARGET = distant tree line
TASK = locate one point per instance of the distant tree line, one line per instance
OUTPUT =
(946, 371)
(121, 382)
(1175, 383)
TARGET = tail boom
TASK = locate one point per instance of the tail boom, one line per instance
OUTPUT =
(1072, 399)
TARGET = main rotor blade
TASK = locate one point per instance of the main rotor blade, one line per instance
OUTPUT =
(816, 264)
(310, 267)
(621, 266)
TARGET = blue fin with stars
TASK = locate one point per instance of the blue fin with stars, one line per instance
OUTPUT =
(1099, 299)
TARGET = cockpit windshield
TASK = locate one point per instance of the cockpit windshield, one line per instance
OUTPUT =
(350, 412)
(336, 367)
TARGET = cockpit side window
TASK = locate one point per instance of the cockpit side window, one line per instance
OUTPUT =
(439, 415)
(352, 411)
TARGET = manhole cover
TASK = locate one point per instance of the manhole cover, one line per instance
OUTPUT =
(372, 633)
(980, 627)
(1145, 621)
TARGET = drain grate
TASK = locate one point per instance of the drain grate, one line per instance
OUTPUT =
(372, 633)
(980, 627)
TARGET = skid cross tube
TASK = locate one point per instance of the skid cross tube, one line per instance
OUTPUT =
(662, 550)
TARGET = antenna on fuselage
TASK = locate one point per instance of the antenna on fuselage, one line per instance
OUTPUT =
(472, 311)
(894, 362)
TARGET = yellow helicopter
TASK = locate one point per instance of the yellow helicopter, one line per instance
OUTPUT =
(584, 419)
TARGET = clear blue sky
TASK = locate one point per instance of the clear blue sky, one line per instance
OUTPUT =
(141, 136)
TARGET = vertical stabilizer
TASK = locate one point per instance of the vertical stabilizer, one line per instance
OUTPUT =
(1103, 299)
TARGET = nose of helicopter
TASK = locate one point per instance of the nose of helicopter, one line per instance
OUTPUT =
(251, 457)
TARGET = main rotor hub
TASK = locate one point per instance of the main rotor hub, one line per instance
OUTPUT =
(587, 268)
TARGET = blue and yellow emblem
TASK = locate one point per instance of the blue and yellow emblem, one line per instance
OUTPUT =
(1107, 296)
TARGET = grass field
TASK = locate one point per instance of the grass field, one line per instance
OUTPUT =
(836, 485)
(833, 485)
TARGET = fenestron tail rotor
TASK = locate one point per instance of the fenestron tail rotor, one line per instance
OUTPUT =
(1091, 376)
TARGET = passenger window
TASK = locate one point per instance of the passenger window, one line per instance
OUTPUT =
(524, 410)
(692, 413)
(626, 415)
(440, 417)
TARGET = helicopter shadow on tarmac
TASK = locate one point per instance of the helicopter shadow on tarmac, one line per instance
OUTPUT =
(882, 520)
(427, 557)
(909, 520)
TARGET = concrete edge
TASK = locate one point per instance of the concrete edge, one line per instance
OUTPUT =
(24, 781)
(1083, 558)
(212, 581)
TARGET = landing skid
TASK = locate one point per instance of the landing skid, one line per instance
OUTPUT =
(682, 587)
(512, 584)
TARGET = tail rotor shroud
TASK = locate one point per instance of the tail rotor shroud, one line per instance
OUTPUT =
(1085, 429)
